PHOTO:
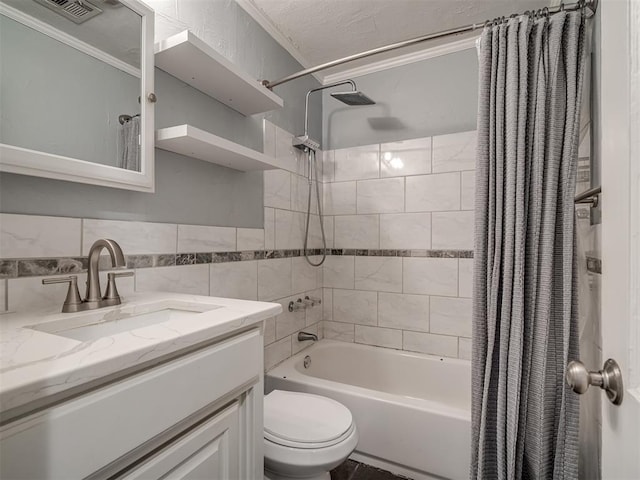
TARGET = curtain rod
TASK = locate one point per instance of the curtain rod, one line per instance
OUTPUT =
(591, 5)
(589, 196)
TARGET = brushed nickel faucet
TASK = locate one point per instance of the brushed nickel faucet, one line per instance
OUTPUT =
(93, 298)
(302, 336)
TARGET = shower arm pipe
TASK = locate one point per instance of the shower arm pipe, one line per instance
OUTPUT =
(591, 5)
(324, 87)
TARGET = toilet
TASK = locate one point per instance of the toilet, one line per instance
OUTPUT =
(305, 435)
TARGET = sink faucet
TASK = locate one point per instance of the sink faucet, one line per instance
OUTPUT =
(94, 298)
(94, 294)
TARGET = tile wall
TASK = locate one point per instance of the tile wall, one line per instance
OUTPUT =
(286, 193)
(400, 221)
(248, 263)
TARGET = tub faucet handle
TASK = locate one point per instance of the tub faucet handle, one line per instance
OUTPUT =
(297, 305)
(313, 301)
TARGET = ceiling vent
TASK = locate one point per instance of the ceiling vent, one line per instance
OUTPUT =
(78, 11)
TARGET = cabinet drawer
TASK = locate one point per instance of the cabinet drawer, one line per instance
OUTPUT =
(209, 451)
(76, 438)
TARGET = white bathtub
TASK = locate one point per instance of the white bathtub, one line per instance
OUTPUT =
(412, 410)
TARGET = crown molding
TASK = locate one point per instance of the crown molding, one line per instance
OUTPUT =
(401, 60)
(257, 14)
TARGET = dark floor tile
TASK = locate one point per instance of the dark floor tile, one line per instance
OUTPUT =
(352, 470)
(344, 471)
(367, 472)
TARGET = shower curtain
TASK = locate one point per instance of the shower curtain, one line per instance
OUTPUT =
(524, 417)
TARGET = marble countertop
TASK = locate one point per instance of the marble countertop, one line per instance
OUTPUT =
(35, 364)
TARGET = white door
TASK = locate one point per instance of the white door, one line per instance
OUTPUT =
(619, 104)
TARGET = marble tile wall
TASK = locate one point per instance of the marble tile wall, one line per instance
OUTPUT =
(286, 195)
(417, 196)
(397, 274)
(33, 247)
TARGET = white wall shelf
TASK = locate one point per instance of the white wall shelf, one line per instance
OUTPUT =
(193, 142)
(190, 59)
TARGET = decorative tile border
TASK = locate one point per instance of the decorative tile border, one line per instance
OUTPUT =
(52, 266)
(35, 267)
(402, 253)
(8, 268)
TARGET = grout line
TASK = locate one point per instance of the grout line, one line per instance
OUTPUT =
(6, 295)
(404, 194)
(81, 234)
(460, 191)
(177, 238)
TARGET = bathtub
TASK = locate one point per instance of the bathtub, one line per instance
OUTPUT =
(412, 410)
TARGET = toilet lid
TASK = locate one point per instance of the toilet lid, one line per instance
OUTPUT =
(304, 418)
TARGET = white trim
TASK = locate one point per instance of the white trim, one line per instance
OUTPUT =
(634, 188)
(618, 106)
(400, 60)
(264, 21)
(67, 39)
(24, 161)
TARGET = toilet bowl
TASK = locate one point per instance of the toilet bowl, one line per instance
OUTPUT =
(305, 435)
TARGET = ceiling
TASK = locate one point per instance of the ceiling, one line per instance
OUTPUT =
(116, 31)
(318, 31)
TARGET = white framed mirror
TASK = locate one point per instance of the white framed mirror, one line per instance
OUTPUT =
(76, 90)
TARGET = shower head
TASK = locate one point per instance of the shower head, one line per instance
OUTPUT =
(353, 98)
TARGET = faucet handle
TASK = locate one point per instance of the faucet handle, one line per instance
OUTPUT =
(112, 291)
(73, 299)
(313, 301)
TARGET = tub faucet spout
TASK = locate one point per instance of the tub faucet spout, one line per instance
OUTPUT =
(302, 336)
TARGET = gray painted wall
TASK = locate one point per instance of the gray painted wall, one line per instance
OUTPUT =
(188, 190)
(44, 80)
(431, 97)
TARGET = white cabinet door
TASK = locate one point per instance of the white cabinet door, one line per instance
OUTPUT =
(210, 451)
(620, 156)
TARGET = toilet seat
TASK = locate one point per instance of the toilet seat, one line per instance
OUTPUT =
(306, 421)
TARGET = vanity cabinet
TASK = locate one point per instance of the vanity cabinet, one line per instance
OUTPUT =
(211, 450)
(197, 414)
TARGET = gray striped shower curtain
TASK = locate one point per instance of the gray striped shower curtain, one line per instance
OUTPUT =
(525, 314)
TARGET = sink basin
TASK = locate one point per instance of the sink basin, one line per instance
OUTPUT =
(98, 324)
